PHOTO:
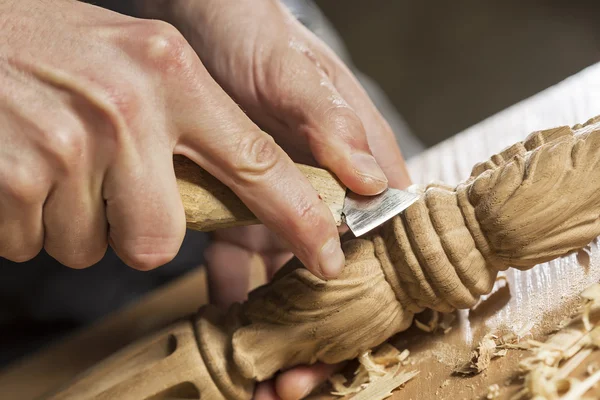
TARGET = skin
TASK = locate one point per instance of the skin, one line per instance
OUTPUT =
(93, 104)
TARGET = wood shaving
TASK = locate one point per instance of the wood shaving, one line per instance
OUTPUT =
(383, 387)
(546, 371)
(432, 325)
(591, 297)
(493, 391)
(482, 356)
(446, 322)
(438, 322)
(592, 367)
(377, 375)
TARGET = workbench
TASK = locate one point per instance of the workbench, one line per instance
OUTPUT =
(532, 301)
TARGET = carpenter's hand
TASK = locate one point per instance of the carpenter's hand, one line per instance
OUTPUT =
(93, 104)
(296, 89)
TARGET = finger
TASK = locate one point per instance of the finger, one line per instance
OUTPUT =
(21, 227)
(228, 272)
(230, 147)
(74, 218)
(144, 210)
(231, 257)
(75, 222)
(383, 141)
(266, 391)
(23, 190)
(298, 382)
(381, 138)
(257, 239)
(311, 107)
(274, 262)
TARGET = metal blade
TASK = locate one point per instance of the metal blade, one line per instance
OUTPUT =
(364, 213)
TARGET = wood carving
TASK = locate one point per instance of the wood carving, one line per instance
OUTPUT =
(211, 205)
(535, 201)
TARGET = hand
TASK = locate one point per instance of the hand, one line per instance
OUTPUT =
(295, 88)
(93, 105)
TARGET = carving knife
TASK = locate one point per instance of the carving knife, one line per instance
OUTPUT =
(211, 205)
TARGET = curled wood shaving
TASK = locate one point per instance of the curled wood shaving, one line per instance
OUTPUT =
(493, 391)
(377, 376)
(432, 325)
(591, 297)
(546, 371)
(481, 357)
(438, 322)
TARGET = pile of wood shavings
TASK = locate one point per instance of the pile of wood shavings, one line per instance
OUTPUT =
(546, 371)
(377, 375)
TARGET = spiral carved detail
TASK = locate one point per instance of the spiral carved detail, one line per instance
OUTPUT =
(535, 201)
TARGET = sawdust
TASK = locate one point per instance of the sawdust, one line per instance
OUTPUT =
(546, 371)
(445, 353)
(377, 375)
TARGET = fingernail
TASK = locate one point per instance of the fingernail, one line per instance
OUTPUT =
(331, 259)
(366, 165)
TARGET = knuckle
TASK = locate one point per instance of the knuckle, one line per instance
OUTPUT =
(166, 48)
(346, 123)
(66, 146)
(125, 99)
(307, 219)
(311, 217)
(255, 156)
(24, 185)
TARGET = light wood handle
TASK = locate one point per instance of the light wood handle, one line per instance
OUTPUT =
(211, 205)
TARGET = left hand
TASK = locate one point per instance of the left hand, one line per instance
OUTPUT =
(295, 88)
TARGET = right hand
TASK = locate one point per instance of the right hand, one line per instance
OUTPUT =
(93, 105)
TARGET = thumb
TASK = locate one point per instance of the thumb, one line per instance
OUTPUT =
(313, 108)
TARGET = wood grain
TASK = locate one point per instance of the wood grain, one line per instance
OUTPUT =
(211, 205)
(533, 299)
(48, 369)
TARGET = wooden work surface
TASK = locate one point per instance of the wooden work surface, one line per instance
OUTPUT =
(534, 300)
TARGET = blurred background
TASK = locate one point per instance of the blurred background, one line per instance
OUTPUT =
(433, 68)
(446, 65)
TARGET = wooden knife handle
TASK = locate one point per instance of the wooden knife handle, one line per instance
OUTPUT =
(211, 205)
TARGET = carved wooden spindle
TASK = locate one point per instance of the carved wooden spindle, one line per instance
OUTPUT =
(533, 202)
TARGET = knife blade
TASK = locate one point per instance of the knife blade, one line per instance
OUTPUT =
(211, 205)
(362, 214)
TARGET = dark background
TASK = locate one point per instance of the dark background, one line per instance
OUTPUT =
(449, 64)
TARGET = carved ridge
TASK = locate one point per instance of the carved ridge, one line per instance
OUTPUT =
(497, 218)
